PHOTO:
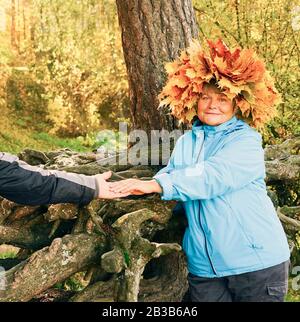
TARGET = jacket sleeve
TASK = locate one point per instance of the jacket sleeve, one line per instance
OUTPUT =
(168, 168)
(238, 163)
(171, 166)
(29, 185)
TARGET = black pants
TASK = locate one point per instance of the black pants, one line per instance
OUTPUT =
(266, 285)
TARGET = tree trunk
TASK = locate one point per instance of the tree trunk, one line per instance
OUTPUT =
(13, 36)
(50, 265)
(153, 32)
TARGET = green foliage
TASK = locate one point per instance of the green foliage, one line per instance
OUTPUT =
(77, 56)
(5, 255)
(75, 283)
(25, 98)
(15, 135)
(76, 144)
(69, 77)
(293, 295)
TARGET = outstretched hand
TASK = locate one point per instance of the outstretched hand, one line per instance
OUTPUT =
(134, 187)
(104, 190)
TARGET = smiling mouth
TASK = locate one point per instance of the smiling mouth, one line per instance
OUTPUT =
(212, 113)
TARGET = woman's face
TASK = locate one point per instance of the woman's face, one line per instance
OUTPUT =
(214, 107)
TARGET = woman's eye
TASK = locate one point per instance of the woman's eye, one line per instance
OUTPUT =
(205, 97)
(223, 99)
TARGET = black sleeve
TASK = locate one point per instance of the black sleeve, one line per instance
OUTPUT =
(29, 185)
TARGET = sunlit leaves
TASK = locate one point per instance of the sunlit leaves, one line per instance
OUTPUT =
(239, 73)
(78, 58)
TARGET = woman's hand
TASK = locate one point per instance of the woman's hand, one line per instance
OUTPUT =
(135, 187)
(103, 184)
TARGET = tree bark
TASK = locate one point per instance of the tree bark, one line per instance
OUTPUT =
(283, 161)
(13, 37)
(287, 170)
(153, 32)
(22, 237)
(50, 265)
(169, 285)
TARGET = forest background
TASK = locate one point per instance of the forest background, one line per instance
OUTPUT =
(63, 76)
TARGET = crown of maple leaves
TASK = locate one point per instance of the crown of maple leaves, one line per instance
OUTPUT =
(240, 74)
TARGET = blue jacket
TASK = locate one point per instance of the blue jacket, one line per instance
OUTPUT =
(218, 173)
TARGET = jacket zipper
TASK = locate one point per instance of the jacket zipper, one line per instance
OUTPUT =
(205, 242)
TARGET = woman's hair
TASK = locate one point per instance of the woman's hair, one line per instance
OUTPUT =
(212, 84)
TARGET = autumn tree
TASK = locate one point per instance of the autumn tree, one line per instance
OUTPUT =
(153, 32)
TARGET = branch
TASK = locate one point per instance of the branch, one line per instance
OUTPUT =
(287, 170)
(293, 224)
(282, 151)
(131, 253)
(22, 237)
(51, 265)
(170, 285)
(218, 24)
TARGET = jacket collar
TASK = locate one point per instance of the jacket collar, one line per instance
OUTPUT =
(199, 126)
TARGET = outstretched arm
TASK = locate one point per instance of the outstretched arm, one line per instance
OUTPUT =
(32, 185)
(236, 165)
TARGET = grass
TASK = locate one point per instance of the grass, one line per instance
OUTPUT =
(7, 251)
(74, 283)
(15, 137)
(293, 295)
(76, 144)
(7, 255)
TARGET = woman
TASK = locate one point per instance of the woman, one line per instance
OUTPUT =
(235, 245)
